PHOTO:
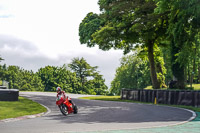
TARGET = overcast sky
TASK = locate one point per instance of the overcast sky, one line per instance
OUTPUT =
(37, 33)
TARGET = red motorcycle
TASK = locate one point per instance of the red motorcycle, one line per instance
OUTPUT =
(66, 107)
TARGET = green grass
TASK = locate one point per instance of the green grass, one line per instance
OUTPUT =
(111, 98)
(194, 86)
(117, 98)
(104, 98)
(148, 88)
(19, 108)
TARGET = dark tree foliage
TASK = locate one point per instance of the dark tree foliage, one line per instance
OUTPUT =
(183, 29)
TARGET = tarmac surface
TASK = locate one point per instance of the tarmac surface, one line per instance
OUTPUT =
(96, 116)
(189, 127)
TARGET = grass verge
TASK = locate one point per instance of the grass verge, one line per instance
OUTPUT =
(19, 108)
(117, 98)
(194, 87)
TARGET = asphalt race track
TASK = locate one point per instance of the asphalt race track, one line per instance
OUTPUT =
(95, 116)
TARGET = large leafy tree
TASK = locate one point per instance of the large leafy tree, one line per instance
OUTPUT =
(48, 77)
(53, 77)
(21, 79)
(98, 84)
(82, 69)
(182, 32)
(91, 82)
(123, 24)
(133, 73)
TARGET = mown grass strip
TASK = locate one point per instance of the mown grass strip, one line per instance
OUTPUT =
(195, 87)
(105, 98)
(117, 98)
(19, 108)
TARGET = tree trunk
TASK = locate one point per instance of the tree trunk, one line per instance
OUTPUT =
(177, 68)
(194, 67)
(191, 78)
(188, 73)
(159, 70)
(186, 69)
(198, 73)
(180, 76)
(154, 80)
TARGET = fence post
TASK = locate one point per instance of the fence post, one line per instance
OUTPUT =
(198, 99)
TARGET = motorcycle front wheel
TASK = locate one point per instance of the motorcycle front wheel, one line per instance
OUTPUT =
(75, 109)
(63, 109)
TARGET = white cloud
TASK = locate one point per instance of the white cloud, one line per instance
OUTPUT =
(36, 33)
(47, 23)
(26, 55)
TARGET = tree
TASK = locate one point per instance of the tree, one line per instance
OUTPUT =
(12, 76)
(124, 24)
(133, 73)
(47, 76)
(53, 77)
(21, 79)
(82, 69)
(66, 79)
(98, 84)
(91, 82)
(183, 19)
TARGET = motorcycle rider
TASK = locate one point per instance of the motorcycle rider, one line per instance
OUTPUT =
(60, 93)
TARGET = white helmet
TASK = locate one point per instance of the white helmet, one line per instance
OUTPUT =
(58, 89)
